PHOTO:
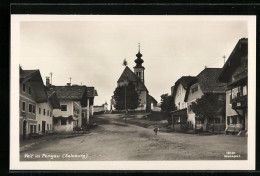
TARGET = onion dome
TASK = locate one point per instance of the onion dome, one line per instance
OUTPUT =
(139, 60)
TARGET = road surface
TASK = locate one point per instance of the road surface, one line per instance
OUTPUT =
(114, 140)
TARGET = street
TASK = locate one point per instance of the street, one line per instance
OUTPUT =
(114, 140)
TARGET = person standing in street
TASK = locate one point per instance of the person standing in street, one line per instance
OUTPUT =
(156, 129)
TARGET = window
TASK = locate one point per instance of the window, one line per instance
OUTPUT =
(29, 90)
(48, 113)
(39, 110)
(234, 93)
(47, 126)
(31, 129)
(217, 120)
(63, 121)
(23, 106)
(245, 90)
(63, 107)
(30, 108)
(23, 87)
(190, 108)
(33, 109)
(228, 120)
(39, 127)
(34, 129)
(194, 89)
(83, 115)
(44, 112)
(234, 119)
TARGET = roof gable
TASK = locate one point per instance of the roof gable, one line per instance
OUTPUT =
(185, 81)
(35, 79)
(240, 50)
(132, 77)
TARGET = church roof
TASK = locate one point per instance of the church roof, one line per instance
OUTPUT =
(132, 77)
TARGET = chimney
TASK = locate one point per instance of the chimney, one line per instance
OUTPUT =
(68, 84)
(48, 81)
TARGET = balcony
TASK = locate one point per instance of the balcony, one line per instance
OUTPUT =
(240, 75)
(239, 102)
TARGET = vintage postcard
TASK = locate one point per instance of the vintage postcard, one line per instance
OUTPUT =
(132, 92)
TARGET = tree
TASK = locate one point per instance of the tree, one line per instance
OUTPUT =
(167, 103)
(132, 97)
(207, 106)
(167, 106)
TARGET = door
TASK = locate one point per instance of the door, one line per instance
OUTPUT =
(31, 129)
(24, 129)
(43, 127)
(243, 121)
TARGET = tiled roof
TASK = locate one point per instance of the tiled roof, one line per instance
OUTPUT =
(207, 80)
(69, 92)
(91, 92)
(26, 73)
(185, 81)
(132, 77)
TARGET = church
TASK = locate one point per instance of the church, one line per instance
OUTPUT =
(147, 102)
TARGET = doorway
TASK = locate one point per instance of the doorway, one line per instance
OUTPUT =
(24, 129)
(43, 127)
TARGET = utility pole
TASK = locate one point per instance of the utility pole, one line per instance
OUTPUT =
(70, 80)
(125, 98)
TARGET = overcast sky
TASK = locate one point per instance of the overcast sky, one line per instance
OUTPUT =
(92, 50)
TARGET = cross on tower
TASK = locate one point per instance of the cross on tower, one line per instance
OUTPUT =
(138, 47)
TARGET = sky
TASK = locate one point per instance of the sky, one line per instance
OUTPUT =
(91, 50)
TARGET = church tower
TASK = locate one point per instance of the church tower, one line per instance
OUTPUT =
(139, 69)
